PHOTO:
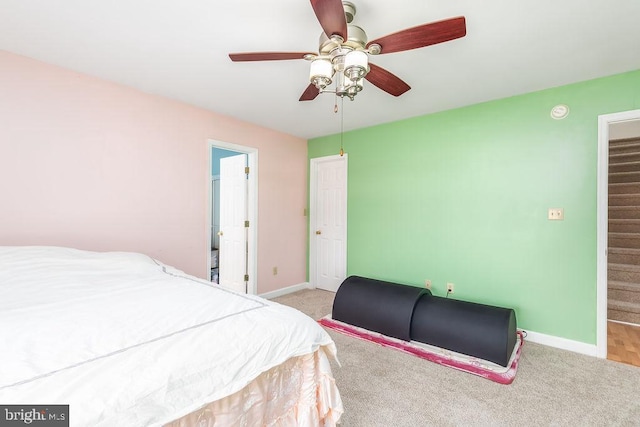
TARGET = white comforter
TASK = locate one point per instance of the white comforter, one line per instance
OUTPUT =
(127, 341)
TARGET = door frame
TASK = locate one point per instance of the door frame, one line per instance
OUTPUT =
(252, 209)
(602, 223)
(313, 171)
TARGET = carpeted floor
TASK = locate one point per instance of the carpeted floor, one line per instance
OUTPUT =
(383, 387)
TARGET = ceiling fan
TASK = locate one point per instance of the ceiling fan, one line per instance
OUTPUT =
(343, 55)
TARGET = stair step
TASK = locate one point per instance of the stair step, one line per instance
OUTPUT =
(624, 188)
(624, 225)
(618, 177)
(623, 316)
(631, 145)
(623, 286)
(624, 240)
(629, 307)
(624, 267)
(624, 212)
(623, 291)
(623, 272)
(629, 199)
(617, 158)
(623, 255)
(622, 141)
(624, 236)
(624, 167)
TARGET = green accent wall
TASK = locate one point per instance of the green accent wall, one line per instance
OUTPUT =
(462, 196)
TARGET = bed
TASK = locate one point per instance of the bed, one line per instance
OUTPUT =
(125, 340)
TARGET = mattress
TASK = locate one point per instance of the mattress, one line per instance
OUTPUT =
(126, 340)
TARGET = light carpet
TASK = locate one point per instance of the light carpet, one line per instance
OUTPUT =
(384, 387)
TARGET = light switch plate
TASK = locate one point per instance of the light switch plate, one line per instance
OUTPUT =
(556, 214)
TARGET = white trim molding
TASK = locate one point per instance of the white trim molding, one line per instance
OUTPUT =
(561, 343)
(604, 121)
(285, 291)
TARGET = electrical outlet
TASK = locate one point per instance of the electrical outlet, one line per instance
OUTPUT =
(427, 284)
(556, 214)
(449, 288)
(275, 271)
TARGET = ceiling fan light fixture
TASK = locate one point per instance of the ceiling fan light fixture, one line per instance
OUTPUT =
(320, 73)
(343, 85)
(344, 49)
(349, 11)
(354, 87)
(356, 64)
(347, 87)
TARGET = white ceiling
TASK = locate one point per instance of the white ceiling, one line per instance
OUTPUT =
(179, 49)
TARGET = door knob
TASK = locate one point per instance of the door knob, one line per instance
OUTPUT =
(318, 232)
(220, 233)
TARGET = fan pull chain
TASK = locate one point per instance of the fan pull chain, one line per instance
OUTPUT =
(341, 124)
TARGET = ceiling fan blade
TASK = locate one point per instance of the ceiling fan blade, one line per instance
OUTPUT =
(309, 93)
(386, 80)
(267, 56)
(330, 14)
(422, 35)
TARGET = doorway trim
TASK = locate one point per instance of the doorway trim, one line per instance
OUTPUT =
(602, 223)
(252, 208)
(313, 171)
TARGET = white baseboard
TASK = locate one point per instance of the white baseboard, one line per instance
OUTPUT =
(288, 290)
(562, 343)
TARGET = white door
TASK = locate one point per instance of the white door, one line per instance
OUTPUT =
(328, 248)
(233, 213)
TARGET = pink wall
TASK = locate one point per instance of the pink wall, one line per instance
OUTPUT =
(90, 164)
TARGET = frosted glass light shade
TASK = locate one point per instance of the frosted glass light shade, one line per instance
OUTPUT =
(320, 73)
(356, 64)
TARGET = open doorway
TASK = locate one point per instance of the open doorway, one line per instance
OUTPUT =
(232, 216)
(618, 313)
(217, 156)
